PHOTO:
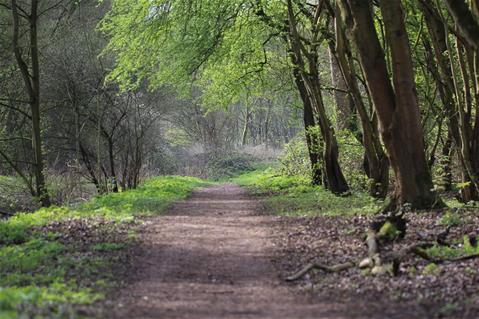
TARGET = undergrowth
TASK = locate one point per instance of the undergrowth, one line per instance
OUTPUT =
(50, 273)
(295, 196)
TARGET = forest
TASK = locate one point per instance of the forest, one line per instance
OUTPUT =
(239, 159)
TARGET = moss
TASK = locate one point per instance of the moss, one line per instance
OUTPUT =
(388, 231)
(431, 269)
(450, 219)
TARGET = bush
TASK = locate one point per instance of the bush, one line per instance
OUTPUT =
(351, 158)
(15, 196)
(230, 165)
(69, 189)
(295, 160)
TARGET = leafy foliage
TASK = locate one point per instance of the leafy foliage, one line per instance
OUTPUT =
(221, 44)
(295, 161)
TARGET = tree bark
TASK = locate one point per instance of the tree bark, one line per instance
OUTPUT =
(377, 168)
(465, 20)
(244, 135)
(314, 147)
(344, 103)
(111, 157)
(397, 107)
(334, 178)
(32, 86)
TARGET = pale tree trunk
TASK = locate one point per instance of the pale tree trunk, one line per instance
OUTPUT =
(344, 103)
(247, 120)
(397, 107)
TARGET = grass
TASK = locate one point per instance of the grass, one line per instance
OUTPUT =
(295, 196)
(42, 277)
(460, 249)
(153, 196)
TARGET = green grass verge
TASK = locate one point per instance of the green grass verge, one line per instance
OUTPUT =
(295, 196)
(41, 277)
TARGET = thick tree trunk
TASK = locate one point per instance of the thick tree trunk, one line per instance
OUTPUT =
(344, 103)
(397, 107)
(376, 161)
(336, 182)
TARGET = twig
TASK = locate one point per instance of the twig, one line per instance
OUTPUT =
(312, 266)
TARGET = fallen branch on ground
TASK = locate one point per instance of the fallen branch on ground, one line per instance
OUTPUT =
(381, 264)
(387, 262)
(306, 269)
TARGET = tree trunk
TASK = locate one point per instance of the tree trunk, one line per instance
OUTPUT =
(466, 20)
(314, 147)
(397, 107)
(334, 178)
(376, 161)
(32, 86)
(344, 103)
(111, 157)
(244, 138)
(451, 96)
(446, 163)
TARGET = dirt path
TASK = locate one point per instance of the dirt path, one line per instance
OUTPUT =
(210, 257)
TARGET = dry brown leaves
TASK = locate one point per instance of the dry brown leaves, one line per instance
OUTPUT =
(451, 291)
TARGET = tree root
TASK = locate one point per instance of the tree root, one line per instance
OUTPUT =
(313, 266)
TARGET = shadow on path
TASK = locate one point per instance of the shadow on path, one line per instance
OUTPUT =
(210, 257)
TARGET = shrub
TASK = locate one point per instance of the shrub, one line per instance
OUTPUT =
(295, 160)
(229, 165)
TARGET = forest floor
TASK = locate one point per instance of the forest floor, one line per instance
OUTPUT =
(219, 254)
(210, 256)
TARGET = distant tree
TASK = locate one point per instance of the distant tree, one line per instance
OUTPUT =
(28, 63)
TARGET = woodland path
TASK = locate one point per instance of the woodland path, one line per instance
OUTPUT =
(210, 257)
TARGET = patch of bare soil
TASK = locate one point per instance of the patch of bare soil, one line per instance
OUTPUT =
(211, 257)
